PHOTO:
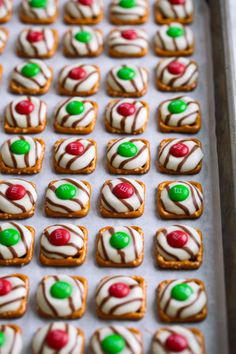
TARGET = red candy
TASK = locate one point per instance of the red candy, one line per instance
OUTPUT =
(129, 34)
(5, 287)
(179, 150)
(177, 2)
(176, 68)
(57, 339)
(126, 109)
(1, 2)
(24, 107)
(75, 148)
(15, 192)
(176, 343)
(119, 290)
(77, 74)
(86, 2)
(35, 36)
(177, 239)
(123, 190)
(59, 237)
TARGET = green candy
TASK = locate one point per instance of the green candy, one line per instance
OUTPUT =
(119, 240)
(20, 147)
(126, 73)
(83, 36)
(175, 32)
(2, 339)
(9, 237)
(178, 193)
(177, 106)
(61, 290)
(181, 292)
(75, 107)
(127, 4)
(38, 4)
(66, 191)
(127, 149)
(113, 344)
(30, 70)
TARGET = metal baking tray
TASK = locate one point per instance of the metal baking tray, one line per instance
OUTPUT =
(224, 91)
(219, 171)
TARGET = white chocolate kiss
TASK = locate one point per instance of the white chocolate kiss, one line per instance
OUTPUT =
(128, 163)
(194, 343)
(111, 202)
(190, 249)
(76, 48)
(137, 84)
(119, 306)
(39, 13)
(189, 206)
(163, 41)
(132, 14)
(181, 164)
(54, 307)
(79, 11)
(34, 119)
(73, 346)
(39, 48)
(175, 11)
(129, 124)
(132, 340)
(120, 44)
(13, 340)
(193, 306)
(22, 247)
(21, 161)
(188, 117)
(13, 300)
(187, 78)
(34, 83)
(128, 254)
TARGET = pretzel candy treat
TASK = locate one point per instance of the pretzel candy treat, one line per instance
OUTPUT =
(37, 42)
(180, 156)
(127, 81)
(68, 198)
(4, 34)
(25, 115)
(122, 198)
(182, 300)
(16, 244)
(11, 339)
(121, 298)
(167, 11)
(17, 199)
(180, 200)
(32, 77)
(120, 246)
(58, 336)
(22, 155)
(129, 12)
(83, 41)
(63, 245)
(14, 291)
(174, 39)
(62, 296)
(38, 11)
(178, 339)
(83, 12)
(179, 247)
(116, 338)
(79, 80)
(177, 74)
(6, 8)
(128, 156)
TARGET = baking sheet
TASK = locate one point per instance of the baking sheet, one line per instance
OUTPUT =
(214, 327)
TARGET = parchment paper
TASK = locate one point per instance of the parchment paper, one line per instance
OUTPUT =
(214, 327)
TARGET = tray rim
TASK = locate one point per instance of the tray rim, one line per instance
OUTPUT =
(225, 113)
